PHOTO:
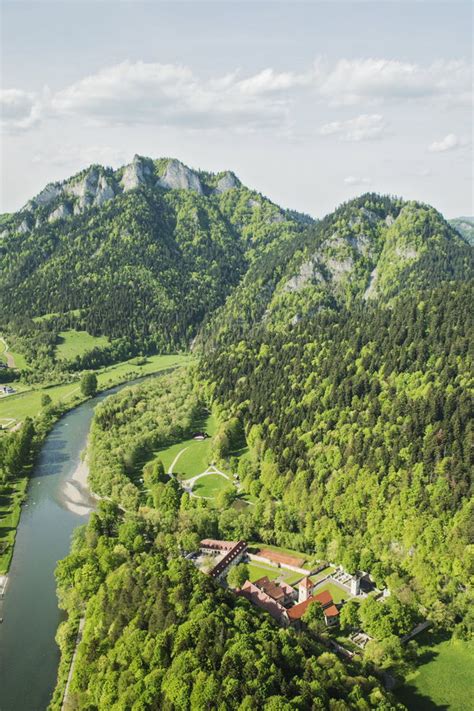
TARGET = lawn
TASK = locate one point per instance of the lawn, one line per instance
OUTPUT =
(196, 454)
(209, 486)
(444, 678)
(322, 574)
(337, 593)
(28, 403)
(77, 343)
(257, 570)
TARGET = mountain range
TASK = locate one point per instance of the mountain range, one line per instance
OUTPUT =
(147, 253)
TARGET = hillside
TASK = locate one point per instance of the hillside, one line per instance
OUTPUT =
(465, 227)
(349, 363)
(140, 255)
(369, 250)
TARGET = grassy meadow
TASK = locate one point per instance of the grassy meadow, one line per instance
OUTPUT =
(444, 677)
(77, 343)
(196, 454)
(28, 403)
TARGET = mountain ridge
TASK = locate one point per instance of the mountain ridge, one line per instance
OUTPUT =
(148, 253)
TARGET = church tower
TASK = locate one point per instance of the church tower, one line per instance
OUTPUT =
(305, 589)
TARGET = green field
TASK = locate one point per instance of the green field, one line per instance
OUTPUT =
(322, 574)
(444, 678)
(209, 486)
(337, 593)
(258, 570)
(196, 454)
(3, 358)
(20, 360)
(28, 403)
(77, 343)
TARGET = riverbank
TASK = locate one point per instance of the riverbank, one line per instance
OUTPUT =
(76, 495)
(32, 620)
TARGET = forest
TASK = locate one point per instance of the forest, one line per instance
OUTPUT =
(360, 425)
(336, 358)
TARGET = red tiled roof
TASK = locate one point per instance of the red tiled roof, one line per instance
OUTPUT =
(270, 588)
(331, 611)
(306, 582)
(261, 599)
(324, 597)
(237, 550)
(297, 611)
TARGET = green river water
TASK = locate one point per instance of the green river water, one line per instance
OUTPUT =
(29, 655)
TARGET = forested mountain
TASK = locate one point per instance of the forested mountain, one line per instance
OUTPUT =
(368, 250)
(465, 227)
(349, 361)
(141, 254)
(339, 351)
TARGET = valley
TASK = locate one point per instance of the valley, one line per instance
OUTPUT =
(312, 399)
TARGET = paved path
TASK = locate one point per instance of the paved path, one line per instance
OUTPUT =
(8, 355)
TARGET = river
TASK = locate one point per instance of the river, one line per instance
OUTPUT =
(29, 656)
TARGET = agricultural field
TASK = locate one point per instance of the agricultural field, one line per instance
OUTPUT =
(444, 678)
(15, 408)
(77, 343)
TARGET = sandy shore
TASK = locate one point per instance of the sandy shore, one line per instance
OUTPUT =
(76, 495)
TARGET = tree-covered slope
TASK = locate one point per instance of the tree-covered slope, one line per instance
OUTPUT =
(360, 422)
(369, 249)
(465, 227)
(141, 254)
(159, 634)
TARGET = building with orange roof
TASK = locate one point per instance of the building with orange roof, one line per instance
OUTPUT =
(331, 613)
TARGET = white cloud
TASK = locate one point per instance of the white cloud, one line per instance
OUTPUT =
(19, 109)
(354, 180)
(448, 143)
(138, 93)
(365, 127)
(167, 94)
(352, 81)
(270, 81)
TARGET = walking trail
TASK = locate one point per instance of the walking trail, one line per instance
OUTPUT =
(7, 354)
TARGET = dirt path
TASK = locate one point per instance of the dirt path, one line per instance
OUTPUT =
(8, 355)
(172, 465)
(71, 668)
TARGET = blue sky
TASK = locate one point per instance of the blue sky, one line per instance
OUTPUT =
(310, 103)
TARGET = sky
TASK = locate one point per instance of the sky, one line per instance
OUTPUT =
(310, 103)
